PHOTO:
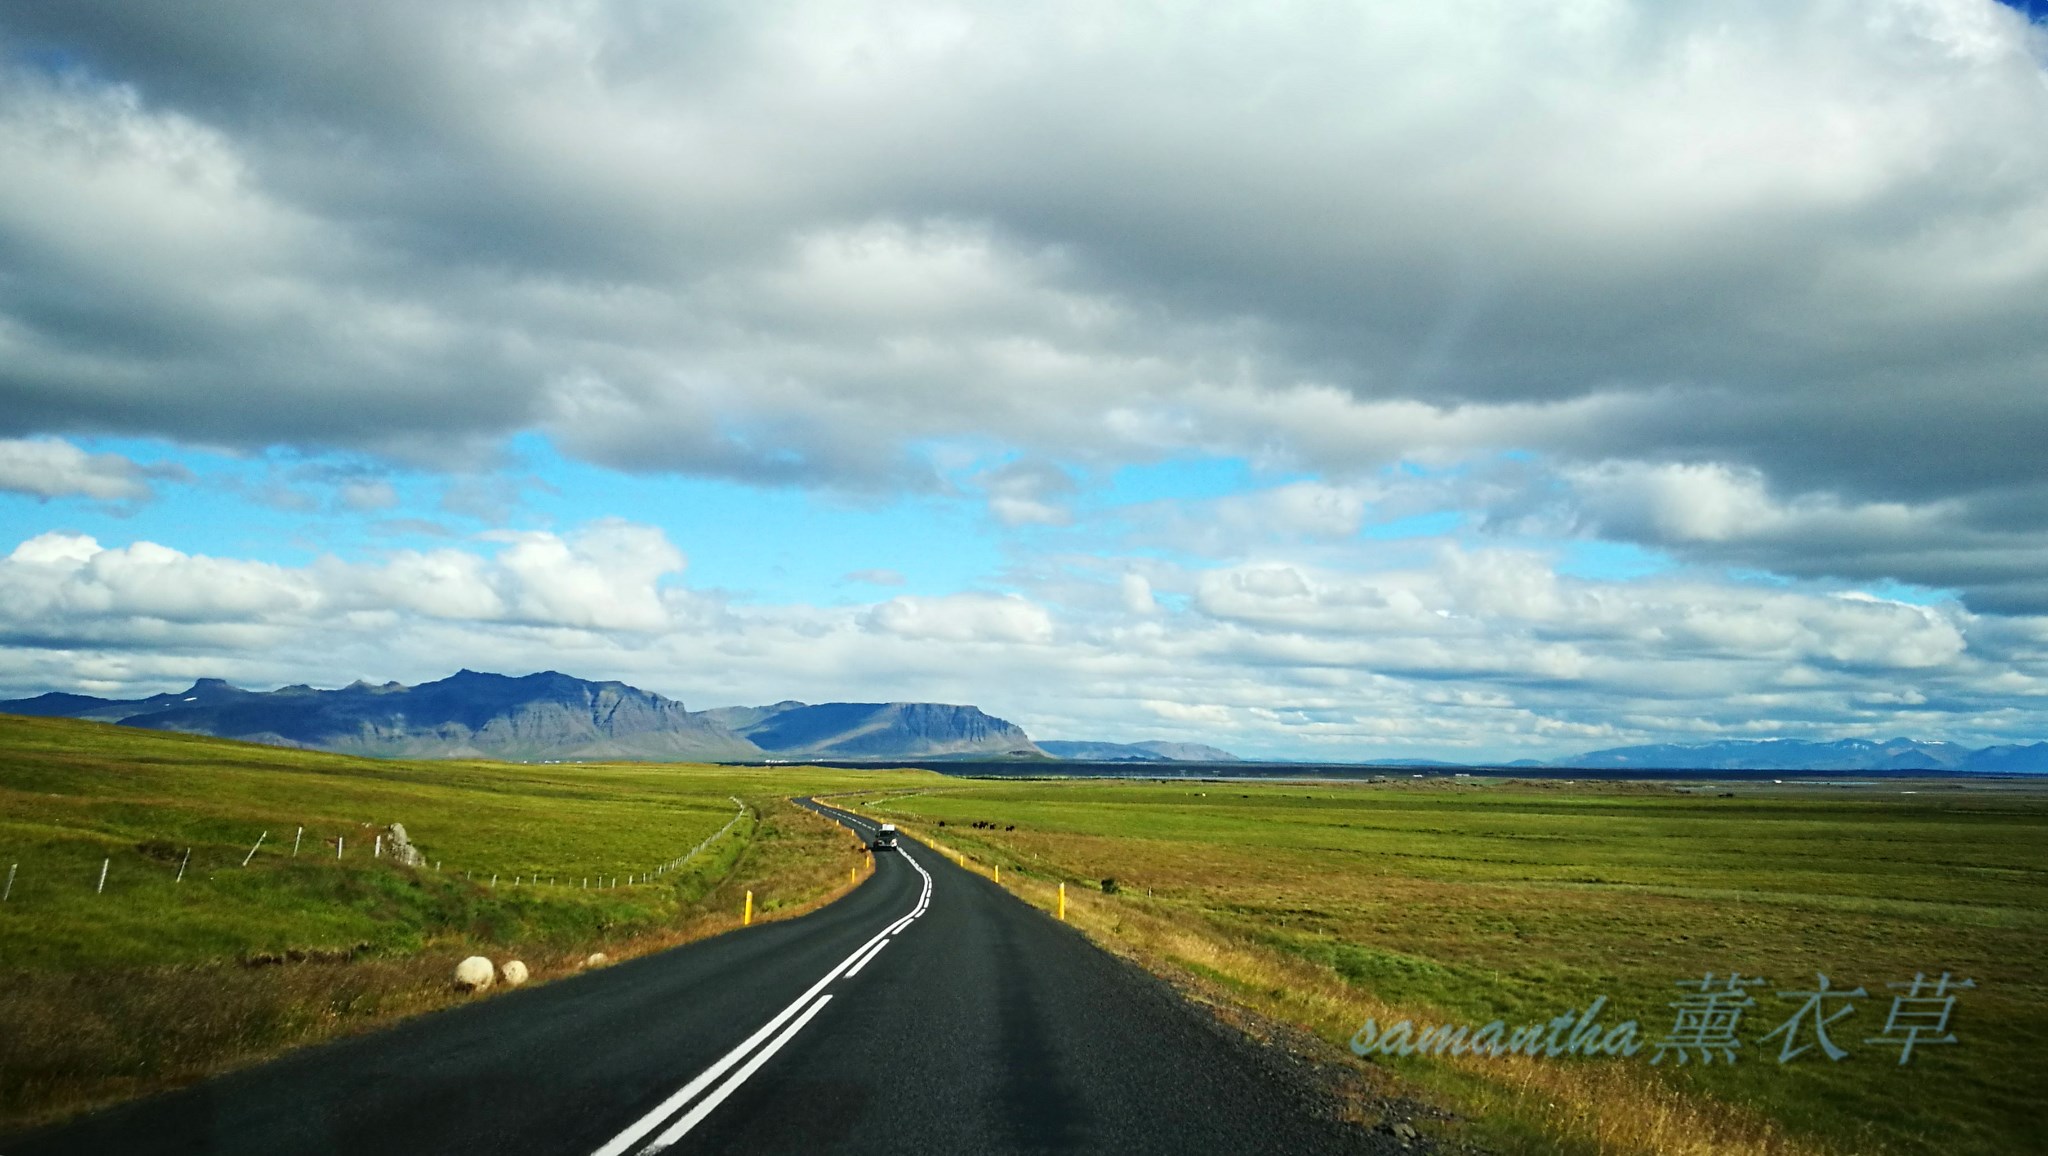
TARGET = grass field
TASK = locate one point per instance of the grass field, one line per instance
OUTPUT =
(1475, 900)
(154, 981)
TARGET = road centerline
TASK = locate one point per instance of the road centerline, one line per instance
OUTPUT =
(710, 1103)
(869, 958)
(634, 1132)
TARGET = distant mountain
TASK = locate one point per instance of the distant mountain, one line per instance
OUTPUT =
(2032, 759)
(1794, 755)
(546, 716)
(1146, 752)
(865, 730)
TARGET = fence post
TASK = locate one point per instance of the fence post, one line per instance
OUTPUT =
(338, 841)
(101, 889)
(181, 866)
(10, 882)
(252, 850)
(295, 842)
(377, 852)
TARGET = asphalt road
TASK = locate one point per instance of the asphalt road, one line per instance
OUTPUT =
(926, 1012)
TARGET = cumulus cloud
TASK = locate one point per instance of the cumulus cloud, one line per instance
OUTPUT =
(1799, 239)
(963, 618)
(1025, 493)
(607, 576)
(1492, 653)
(1990, 549)
(54, 468)
(1753, 288)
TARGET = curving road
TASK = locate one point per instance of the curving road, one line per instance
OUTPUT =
(927, 1011)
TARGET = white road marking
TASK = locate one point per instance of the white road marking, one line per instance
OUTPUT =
(696, 1115)
(632, 1134)
(855, 969)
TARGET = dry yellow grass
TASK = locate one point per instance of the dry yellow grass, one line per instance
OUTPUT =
(1595, 1108)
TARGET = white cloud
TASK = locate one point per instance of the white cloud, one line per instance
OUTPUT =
(1006, 618)
(1486, 652)
(604, 577)
(1137, 594)
(52, 468)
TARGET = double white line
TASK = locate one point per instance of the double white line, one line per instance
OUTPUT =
(788, 1022)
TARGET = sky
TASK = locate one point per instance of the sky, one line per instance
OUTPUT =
(1465, 380)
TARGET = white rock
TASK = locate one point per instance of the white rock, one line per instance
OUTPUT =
(474, 973)
(514, 973)
(403, 852)
(597, 959)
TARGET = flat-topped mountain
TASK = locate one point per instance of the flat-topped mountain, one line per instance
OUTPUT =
(860, 730)
(547, 716)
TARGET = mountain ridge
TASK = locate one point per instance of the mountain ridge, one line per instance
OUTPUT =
(546, 716)
(1899, 754)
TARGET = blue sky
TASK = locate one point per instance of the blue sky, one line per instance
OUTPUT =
(1345, 383)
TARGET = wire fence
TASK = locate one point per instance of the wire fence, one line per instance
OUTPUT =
(385, 844)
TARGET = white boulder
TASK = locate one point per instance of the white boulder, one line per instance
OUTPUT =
(403, 852)
(597, 959)
(474, 973)
(513, 973)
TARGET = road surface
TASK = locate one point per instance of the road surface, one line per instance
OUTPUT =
(926, 1012)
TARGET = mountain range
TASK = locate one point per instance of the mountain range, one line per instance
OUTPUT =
(1150, 752)
(548, 716)
(1795, 755)
(551, 716)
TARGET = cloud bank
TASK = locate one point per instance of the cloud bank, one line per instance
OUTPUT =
(1755, 288)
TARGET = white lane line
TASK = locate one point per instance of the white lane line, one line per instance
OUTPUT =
(618, 1144)
(843, 816)
(855, 969)
(696, 1115)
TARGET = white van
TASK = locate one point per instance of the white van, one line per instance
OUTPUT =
(885, 839)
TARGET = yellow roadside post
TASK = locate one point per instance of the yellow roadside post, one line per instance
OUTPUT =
(1063, 903)
(852, 875)
(999, 872)
(747, 920)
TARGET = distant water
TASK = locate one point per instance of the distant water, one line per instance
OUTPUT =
(1031, 769)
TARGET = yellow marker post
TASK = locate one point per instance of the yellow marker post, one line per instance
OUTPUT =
(852, 876)
(1063, 903)
(999, 872)
(747, 920)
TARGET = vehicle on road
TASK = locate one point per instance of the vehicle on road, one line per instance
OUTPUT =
(885, 838)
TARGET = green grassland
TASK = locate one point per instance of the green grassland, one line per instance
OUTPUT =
(153, 981)
(1473, 900)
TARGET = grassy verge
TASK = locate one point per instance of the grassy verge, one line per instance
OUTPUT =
(1328, 905)
(152, 981)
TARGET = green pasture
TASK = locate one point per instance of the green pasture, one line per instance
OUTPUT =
(73, 795)
(154, 982)
(1480, 899)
